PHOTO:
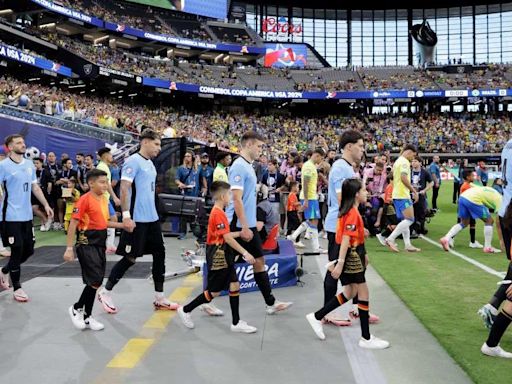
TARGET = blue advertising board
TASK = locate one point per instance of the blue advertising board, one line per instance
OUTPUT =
(280, 268)
(25, 58)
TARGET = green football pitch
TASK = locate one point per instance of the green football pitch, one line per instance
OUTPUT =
(442, 290)
(445, 291)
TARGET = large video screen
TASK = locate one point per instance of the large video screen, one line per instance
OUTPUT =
(280, 55)
(217, 9)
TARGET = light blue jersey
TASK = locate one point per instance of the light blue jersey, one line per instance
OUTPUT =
(141, 172)
(242, 177)
(341, 170)
(17, 180)
(506, 169)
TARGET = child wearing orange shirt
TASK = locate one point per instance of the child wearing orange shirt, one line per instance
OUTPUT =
(292, 212)
(350, 266)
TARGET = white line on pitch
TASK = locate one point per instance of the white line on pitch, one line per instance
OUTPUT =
(365, 367)
(468, 259)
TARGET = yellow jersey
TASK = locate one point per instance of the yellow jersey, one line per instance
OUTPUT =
(309, 171)
(219, 174)
(401, 166)
(102, 166)
(487, 196)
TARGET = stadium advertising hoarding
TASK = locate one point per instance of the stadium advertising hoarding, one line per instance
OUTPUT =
(181, 41)
(282, 94)
(127, 30)
(285, 55)
(38, 62)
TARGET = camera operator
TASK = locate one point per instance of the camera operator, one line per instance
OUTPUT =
(422, 181)
(375, 180)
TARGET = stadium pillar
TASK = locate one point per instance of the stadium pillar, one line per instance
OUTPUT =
(349, 36)
(409, 37)
(474, 35)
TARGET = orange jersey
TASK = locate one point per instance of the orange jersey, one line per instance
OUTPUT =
(93, 213)
(218, 226)
(292, 202)
(351, 225)
(464, 187)
(388, 194)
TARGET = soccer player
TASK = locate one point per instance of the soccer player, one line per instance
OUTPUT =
(220, 262)
(138, 205)
(241, 213)
(490, 310)
(475, 203)
(352, 145)
(349, 267)
(105, 160)
(91, 217)
(18, 176)
(469, 177)
(309, 200)
(499, 322)
(402, 189)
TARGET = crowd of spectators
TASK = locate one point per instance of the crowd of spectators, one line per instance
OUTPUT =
(431, 133)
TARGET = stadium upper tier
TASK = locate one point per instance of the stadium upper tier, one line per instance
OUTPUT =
(259, 78)
(161, 21)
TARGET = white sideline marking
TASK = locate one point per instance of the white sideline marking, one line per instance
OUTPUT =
(468, 259)
(365, 367)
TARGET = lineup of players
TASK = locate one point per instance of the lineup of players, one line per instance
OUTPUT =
(233, 235)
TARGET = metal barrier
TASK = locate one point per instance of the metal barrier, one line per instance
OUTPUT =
(107, 135)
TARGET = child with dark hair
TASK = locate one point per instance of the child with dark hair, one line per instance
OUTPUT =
(350, 266)
(220, 262)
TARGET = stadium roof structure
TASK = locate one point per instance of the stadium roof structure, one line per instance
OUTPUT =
(366, 4)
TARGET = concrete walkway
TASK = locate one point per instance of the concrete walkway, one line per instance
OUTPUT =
(139, 345)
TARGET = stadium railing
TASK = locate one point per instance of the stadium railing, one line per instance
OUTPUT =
(68, 125)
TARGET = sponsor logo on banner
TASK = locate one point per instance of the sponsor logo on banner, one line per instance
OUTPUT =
(279, 28)
(107, 72)
(280, 269)
(502, 92)
(475, 92)
(88, 69)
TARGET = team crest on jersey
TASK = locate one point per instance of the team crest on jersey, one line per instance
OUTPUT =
(351, 227)
(129, 170)
(238, 178)
(128, 248)
(11, 240)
